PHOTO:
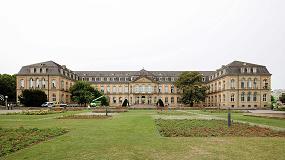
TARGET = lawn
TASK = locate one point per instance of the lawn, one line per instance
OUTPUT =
(134, 135)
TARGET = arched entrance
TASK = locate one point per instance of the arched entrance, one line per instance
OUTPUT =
(143, 99)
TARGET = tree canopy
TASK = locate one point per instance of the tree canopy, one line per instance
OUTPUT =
(192, 88)
(282, 98)
(8, 86)
(83, 93)
(32, 97)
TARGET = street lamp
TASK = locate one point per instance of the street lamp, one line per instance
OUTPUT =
(6, 103)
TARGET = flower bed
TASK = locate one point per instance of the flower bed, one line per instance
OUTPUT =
(35, 112)
(12, 140)
(212, 128)
(85, 117)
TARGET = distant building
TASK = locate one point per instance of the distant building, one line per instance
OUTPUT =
(236, 85)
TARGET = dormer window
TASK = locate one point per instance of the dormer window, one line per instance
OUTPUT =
(242, 70)
(254, 70)
(248, 70)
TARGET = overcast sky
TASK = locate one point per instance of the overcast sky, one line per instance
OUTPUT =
(156, 35)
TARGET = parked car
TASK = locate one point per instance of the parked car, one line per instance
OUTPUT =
(48, 104)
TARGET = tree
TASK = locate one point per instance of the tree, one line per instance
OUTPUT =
(282, 98)
(32, 97)
(8, 86)
(104, 101)
(125, 103)
(193, 90)
(273, 102)
(82, 92)
(160, 103)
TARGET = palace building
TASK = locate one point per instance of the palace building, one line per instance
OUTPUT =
(236, 85)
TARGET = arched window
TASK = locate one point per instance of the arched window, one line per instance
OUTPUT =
(31, 83)
(172, 89)
(248, 96)
(232, 83)
(114, 100)
(255, 83)
(53, 83)
(22, 83)
(255, 96)
(242, 83)
(242, 96)
(249, 83)
(37, 83)
(43, 83)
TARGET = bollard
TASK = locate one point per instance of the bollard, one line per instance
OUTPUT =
(229, 117)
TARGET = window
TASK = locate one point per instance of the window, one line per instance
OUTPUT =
(248, 96)
(265, 84)
(102, 88)
(126, 89)
(140, 89)
(248, 70)
(108, 89)
(232, 97)
(242, 83)
(114, 89)
(255, 96)
(159, 88)
(224, 85)
(31, 83)
(114, 100)
(242, 97)
(53, 84)
(120, 89)
(43, 83)
(242, 70)
(254, 70)
(249, 83)
(166, 99)
(224, 98)
(120, 100)
(172, 89)
(255, 83)
(38, 83)
(136, 89)
(232, 84)
(172, 100)
(22, 83)
(54, 97)
(165, 88)
(264, 97)
(62, 84)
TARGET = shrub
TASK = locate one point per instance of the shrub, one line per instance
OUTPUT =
(33, 97)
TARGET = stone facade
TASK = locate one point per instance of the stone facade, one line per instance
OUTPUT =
(236, 85)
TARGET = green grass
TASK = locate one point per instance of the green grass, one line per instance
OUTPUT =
(12, 140)
(212, 128)
(241, 117)
(133, 135)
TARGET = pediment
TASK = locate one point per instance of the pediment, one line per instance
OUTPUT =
(143, 80)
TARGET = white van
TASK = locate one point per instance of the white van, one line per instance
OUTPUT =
(48, 104)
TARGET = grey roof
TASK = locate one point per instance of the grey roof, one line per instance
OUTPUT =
(56, 69)
(135, 73)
